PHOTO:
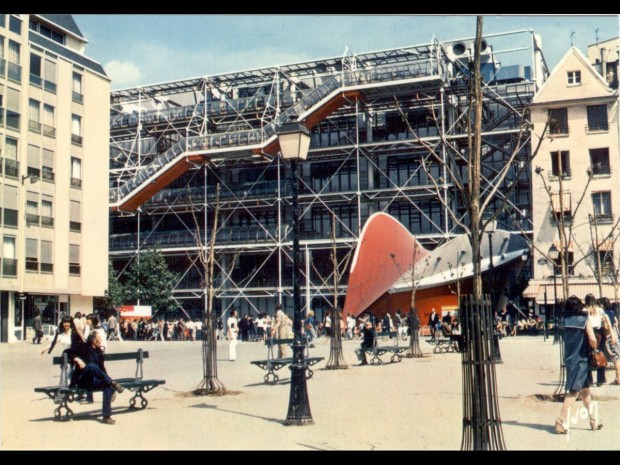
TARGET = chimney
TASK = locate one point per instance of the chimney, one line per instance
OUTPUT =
(603, 64)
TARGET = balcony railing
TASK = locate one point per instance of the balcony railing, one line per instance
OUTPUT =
(2, 67)
(49, 131)
(75, 139)
(9, 267)
(598, 170)
(50, 86)
(34, 126)
(76, 182)
(604, 218)
(36, 80)
(32, 265)
(32, 219)
(75, 226)
(559, 130)
(47, 221)
(1, 117)
(77, 97)
(47, 267)
(598, 127)
(47, 174)
(74, 269)
(11, 167)
(15, 72)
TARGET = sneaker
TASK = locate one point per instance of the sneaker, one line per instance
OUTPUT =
(117, 387)
(108, 421)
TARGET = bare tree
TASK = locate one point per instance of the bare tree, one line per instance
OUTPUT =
(336, 358)
(210, 384)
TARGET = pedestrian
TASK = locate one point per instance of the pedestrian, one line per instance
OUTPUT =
(66, 334)
(37, 326)
(90, 374)
(611, 347)
(281, 329)
(595, 315)
(232, 325)
(577, 334)
(112, 323)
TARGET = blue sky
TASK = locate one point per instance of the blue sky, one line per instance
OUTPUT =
(147, 49)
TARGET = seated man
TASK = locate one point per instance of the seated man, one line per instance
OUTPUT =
(90, 373)
(531, 323)
(368, 341)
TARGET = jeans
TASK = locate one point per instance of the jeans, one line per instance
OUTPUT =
(94, 378)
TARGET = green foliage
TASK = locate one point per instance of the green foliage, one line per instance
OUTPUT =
(115, 296)
(150, 280)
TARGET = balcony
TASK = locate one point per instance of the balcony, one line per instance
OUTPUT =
(15, 72)
(77, 97)
(49, 131)
(32, 219)
(50, 86)
(77, 183)
(32, 265)
(75, 139)
(36, 80)
(9, 267)
(603, 218)
(47, 221)
(47, 174)
(602, 126)
(34, 126)
(11, 168)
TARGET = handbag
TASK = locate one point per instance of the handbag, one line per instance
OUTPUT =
(597, 359)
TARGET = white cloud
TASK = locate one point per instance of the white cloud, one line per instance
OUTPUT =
(123, 73)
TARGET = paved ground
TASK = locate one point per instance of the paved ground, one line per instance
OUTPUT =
(412, 405)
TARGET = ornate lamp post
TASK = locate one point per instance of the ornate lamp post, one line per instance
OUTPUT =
(294, 139)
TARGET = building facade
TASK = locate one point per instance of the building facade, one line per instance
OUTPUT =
(576, 185)
(54, 139)
(385, 127)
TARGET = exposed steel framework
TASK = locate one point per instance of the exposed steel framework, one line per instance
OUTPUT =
(172, 143)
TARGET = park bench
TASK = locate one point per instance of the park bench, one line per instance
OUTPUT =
(377, 351)
(444, 341)
(272, 364)
(63, 394)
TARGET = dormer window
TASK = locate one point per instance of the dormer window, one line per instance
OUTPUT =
(574, 78)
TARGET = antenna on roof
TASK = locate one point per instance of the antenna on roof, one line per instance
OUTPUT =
(596, 35)
(572, 33)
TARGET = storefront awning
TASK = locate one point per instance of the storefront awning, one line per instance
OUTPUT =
(537, 291)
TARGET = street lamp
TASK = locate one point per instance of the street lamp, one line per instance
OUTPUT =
(294, 140)
(554, 254)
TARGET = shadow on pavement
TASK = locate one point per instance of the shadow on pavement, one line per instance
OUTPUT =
(203, 405)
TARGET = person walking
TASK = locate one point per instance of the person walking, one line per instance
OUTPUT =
(37, 326)
(112, 323)
(577, 334)
(232, 334)
(281, 329)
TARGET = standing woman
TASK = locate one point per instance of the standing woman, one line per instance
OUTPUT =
(577, 334)
(232, 325)
(595, 316)
(611, 346)
(66, 334)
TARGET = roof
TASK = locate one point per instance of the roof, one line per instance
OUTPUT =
(65, 22)
(66, 53)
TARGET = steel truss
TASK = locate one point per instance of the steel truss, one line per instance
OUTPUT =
(363, 159)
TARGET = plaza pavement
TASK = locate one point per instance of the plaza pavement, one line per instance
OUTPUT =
(412, 405)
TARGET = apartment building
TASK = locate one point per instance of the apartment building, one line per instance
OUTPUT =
(54, 139)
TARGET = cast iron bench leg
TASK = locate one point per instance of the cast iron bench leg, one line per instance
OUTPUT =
(138, 394)
(63, 398)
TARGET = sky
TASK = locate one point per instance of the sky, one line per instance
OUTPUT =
(148, 49)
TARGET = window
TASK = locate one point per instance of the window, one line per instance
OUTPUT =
(76, 129)
(77, 88)
(14, 68)
(2, 60)
(49, 127)
(34, 161)
(74, 259)
(50, 76)
(599, 161)
(47, 262)
(47, 170)
(76, 172)
(597, 118)
(34, 115)
(560, 163)
(2, 20)
(561, 206)
(15, 24)
(606, 262)
(47, 213)
(32, 209)
(558, 121)
(601, 201)
(12, 108)
(9, 204)
(75, 216)
(569, 263)
(35, 70)
(47, 31)
(574, 78)
(11, 165)
(9, 263)
(32, 255)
